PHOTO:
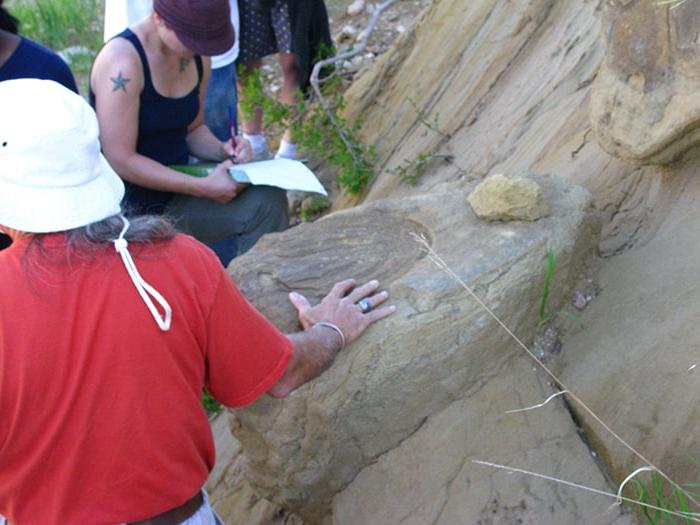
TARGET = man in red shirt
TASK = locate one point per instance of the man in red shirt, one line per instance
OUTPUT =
(109, 331)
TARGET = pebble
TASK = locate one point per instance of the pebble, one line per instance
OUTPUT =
(356, 7)
(347, 32)
(580, 300)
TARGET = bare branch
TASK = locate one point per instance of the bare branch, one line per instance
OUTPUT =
(344, 56)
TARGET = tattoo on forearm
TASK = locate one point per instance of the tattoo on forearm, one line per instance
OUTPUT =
(184, 62)
(119, 82)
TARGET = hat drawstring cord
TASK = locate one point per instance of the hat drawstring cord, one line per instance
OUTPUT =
(121, 245)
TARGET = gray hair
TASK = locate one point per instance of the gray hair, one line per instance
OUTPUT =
(146, 228)
(87, 243)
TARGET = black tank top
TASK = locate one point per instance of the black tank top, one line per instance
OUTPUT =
(162, 132)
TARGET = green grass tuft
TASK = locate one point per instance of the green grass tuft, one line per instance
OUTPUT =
(59, 24)
(543, 312)
(657, 492)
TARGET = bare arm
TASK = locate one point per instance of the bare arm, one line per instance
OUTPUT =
(202, 142)
(117, 81)
(316, 347)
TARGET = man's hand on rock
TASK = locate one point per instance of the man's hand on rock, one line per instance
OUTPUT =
(345, 306)
(336, 321)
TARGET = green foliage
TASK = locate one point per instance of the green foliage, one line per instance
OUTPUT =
(433, 125)
(544, 314)
(658, 493)
(312, 207)
(313, 130)
(410, 170)
(59, 24)
(211, 405)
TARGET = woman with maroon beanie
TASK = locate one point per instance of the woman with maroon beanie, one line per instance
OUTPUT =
(148, 86)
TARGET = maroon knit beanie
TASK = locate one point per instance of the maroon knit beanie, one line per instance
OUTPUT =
(203, 26)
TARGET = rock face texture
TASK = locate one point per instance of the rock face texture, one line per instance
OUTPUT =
(432, 479)
(510, 107)
(509, 84)
(439, 347)
(644, 103)
(501, 198)
(388, 435)
(636, 363)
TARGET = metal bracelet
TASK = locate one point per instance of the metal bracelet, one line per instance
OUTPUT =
(336, 330)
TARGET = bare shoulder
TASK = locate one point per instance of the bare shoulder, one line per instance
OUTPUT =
(117, 69)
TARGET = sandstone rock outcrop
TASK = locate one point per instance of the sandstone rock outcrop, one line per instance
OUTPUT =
(439, 347)
(644, 103)
(432, 479)
(509, 84)
(636, 363)
(502, 198)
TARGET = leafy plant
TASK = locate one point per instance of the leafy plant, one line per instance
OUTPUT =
(312, 129)
(211, 405)
(433, 125)
(61, 25)
(312, 207)
(410, 170)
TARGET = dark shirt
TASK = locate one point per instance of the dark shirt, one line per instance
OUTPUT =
(32, 60)
(162, 131)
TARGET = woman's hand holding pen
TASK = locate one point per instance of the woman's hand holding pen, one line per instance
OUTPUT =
(238, 150)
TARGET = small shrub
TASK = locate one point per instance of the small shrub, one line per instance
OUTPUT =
(313, 130)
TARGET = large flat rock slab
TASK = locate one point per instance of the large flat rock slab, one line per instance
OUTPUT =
(634, 359)
(438, 346)
(431, 478)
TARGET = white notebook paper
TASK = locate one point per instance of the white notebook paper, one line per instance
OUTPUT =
(283, 173)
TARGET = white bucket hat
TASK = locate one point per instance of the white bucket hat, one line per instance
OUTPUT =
(52, 174)
(53, 177)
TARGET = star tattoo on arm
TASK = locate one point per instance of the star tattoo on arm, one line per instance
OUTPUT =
(119, 82)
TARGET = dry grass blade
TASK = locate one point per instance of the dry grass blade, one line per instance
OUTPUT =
(440, 263)
(691, 516)
(672, 4)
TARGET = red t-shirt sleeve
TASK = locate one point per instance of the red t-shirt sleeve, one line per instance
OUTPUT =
(245, 353)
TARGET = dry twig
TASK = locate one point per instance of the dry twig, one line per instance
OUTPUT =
(441, 264)
(318, 66)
